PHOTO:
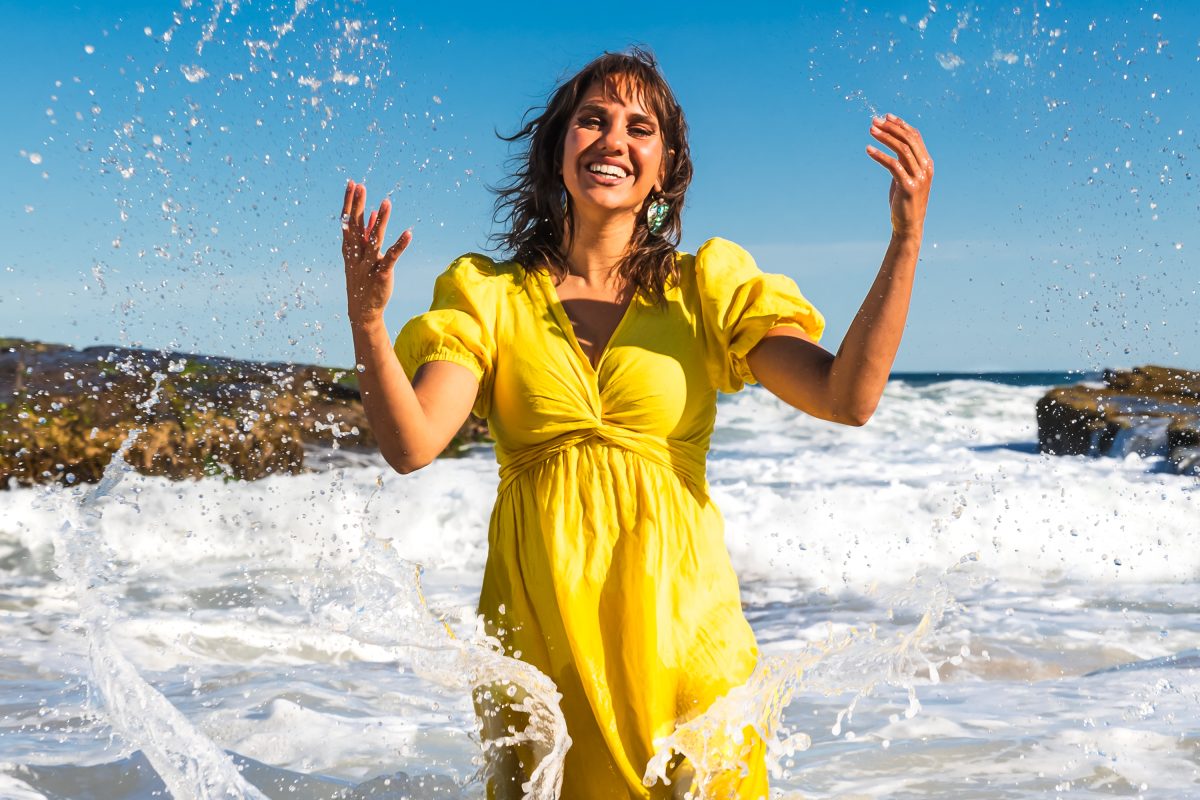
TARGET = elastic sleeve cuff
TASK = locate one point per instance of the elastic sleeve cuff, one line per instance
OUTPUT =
(454, 357)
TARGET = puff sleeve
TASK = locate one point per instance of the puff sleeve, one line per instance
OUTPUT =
(739, 304)
(459, 326)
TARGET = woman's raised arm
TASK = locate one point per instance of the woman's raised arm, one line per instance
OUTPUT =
(413, 422)
(846, 388)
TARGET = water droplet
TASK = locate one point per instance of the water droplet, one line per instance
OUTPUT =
(950, 61)
(194, 73)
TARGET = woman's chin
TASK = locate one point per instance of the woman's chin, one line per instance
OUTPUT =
(605, 206)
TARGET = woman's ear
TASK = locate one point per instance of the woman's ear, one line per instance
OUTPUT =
(668, 158)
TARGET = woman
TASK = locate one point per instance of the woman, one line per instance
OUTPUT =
(596, 354)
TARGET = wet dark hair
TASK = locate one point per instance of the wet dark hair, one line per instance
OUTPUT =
(534, 205)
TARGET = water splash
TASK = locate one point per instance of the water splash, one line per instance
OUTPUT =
(382, 603)
(221, 104)
(191, 764)
(716, 743)
(377, 600)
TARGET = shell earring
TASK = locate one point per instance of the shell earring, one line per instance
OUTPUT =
(656, 214)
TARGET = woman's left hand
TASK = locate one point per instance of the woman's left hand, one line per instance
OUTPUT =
(912, 172)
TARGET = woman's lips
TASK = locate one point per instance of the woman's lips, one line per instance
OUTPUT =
(604, 179)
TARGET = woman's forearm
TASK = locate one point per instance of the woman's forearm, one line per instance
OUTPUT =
(389, 400)
(859, 372)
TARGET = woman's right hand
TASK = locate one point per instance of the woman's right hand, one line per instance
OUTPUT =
(368, 268)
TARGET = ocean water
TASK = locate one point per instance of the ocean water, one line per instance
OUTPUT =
(940, 610)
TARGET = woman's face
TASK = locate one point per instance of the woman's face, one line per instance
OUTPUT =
(613, 152)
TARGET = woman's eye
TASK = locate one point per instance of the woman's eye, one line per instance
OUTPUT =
(642, 132)
(589, 122)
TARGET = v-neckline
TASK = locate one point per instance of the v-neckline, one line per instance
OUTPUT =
(559, 312)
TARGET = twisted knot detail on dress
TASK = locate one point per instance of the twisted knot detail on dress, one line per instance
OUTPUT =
(607, 568)
(685, 459)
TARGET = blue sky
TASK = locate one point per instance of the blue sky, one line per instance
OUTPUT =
(185, 191)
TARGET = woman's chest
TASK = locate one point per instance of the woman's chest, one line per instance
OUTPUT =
(649, 376)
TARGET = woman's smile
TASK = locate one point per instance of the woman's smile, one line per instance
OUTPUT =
(608, 173)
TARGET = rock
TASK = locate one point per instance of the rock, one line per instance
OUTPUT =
(1151, 381)
(64, 412)
(1183, 443)
(1147, 410)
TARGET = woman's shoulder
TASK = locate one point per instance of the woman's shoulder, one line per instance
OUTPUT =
(717, 261)
(479, 273)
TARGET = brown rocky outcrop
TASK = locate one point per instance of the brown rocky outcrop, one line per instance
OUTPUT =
(64, 412)
(1147, 410)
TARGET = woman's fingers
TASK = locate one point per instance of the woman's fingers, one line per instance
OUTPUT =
(356, 209)
(369, 232)
(914, 134)
(360, 242)
(347, 202)
(915, 141)
(892, 138)
(892, 165)
(379, 221)
(911, 155)
(393, 252)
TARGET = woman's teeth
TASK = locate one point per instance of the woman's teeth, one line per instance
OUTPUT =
(608, 169)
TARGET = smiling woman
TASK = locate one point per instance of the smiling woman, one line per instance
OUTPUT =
(611, 145)
(596, 353)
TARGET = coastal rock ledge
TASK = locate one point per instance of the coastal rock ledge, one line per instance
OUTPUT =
(1151, 411)
(64, 412)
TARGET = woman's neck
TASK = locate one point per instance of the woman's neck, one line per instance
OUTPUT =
(595, 252)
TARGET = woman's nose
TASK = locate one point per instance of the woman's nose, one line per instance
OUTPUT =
(614, 138)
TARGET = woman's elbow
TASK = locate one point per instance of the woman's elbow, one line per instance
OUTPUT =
(406, 462)
(854, 416)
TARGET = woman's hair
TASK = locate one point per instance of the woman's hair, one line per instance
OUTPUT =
(535, 205)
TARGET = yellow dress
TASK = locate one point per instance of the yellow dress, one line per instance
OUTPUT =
(607, 567)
